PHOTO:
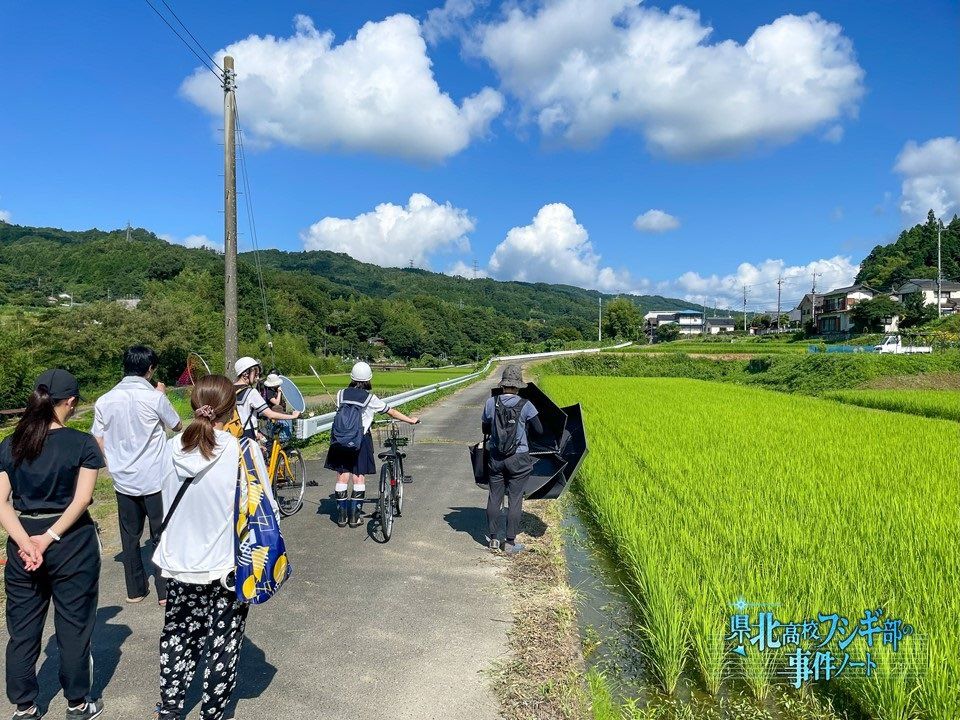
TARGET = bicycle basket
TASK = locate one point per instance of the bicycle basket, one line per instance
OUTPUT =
(395, 434)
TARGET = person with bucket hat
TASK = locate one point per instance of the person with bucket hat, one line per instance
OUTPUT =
(273, 394)
(250, 403)
(47, 475)
(507, 420)
(351, 444)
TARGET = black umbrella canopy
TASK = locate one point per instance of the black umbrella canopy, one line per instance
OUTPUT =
(553, 419)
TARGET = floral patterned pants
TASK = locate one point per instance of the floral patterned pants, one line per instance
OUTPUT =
(207, 620)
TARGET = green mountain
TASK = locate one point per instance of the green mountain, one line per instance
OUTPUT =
(913, 255)
(318, 303)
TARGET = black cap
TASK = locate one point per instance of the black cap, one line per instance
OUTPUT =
(60, 383)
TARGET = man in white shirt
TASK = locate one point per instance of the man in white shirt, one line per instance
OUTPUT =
(129, 423)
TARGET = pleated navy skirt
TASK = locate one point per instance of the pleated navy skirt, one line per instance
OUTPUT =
(357, 462)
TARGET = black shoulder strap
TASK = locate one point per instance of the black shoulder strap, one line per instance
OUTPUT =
(176, 501)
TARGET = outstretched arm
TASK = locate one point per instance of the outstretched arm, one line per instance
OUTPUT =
(397, 415)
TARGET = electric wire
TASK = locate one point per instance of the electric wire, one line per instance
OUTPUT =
(184, 41)
(192, 36)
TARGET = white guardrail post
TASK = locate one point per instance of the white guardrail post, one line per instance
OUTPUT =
(308, 427)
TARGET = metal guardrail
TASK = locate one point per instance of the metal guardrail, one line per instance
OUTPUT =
(308, 427)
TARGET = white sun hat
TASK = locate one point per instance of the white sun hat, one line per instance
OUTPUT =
(272, 380)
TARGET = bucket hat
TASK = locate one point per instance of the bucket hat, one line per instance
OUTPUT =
(512, 377)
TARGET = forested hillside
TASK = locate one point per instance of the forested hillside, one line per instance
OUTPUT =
(913, 255)
(318, 303)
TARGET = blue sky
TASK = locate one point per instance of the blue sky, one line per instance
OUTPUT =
(528, 137)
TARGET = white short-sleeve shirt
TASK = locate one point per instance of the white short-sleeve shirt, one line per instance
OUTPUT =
(132, 419)
(250, 402)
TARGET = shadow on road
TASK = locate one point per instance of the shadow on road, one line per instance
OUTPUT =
(108, 639)
(473, 521)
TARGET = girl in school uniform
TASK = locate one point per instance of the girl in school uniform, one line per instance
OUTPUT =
(355, 465)
(47, 475)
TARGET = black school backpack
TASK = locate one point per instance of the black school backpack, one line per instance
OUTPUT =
(506, 422)
(347, 429)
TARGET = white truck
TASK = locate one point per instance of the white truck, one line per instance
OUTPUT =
(894, 344)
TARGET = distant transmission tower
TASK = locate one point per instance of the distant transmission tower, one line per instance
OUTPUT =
(476, 269)
(128, 231)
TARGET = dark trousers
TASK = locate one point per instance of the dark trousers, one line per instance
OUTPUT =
(132, 511)
(70, 575)
(207, 621)
(507, 476)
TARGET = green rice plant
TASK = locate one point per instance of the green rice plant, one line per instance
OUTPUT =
(928, 403)
(709, 492)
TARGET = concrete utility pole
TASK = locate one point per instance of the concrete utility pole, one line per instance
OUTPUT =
(744, 308)
(229, 216)
(600, 320)
(939, 272)
(813, 301)
(779, 288)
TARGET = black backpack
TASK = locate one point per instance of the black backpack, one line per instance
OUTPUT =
(506, 423)
(347, 429)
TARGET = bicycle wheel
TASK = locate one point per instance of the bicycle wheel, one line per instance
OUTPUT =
(398, 489)
(289, 482)
(385, 503)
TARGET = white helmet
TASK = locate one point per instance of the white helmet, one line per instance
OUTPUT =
(361, 372)
(244, 364)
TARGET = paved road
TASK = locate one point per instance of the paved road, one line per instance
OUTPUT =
(363, 630)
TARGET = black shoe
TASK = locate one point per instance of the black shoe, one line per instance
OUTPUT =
(161, 714)
(88, 711)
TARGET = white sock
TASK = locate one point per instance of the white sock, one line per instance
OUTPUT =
(340, 487)
(359, 487)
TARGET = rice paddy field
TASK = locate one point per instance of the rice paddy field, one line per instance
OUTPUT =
(738, 346)
(385, 382)
(927, 403)
(713, 496)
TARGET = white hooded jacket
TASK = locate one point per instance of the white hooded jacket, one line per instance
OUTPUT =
(198, 543)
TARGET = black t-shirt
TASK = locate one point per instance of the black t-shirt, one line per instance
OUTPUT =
(270, 394)
(48, 483)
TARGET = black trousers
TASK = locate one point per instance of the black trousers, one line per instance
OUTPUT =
(207, 621)
(70, 575)
(507, 476)
(132, 511)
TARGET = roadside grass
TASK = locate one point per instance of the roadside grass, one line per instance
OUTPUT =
(723, 347)
(543, 675)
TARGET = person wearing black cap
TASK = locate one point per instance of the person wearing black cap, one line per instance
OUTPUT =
(506, 420)
(47, 475)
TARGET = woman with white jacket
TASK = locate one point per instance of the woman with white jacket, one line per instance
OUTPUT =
(196, 555)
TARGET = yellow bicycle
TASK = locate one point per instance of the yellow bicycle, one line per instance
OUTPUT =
(288, 475)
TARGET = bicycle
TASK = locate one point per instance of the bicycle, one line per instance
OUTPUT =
(287, 472)
(392, 477)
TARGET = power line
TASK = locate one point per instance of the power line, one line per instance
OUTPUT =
(192, 36)
(184, 41)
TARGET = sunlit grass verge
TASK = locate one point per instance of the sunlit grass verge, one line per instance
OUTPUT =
(943, 404)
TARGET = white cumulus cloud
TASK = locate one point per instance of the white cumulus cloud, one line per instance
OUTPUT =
(761, 281)
(461, 269)
(393, 235)
(5, 216)
(656, 221)
(931, 179)
(195, 241)
(582, 68)
(375, 92)
(554, 248)
(448, 20)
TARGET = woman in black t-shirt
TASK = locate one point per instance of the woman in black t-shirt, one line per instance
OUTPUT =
(47, 475)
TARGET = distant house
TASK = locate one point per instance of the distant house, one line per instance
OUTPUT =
(810, 307)
(834, 316)
(949, 293)
(377, 342)
(715, 326)
(690, 322)
(128, 303)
